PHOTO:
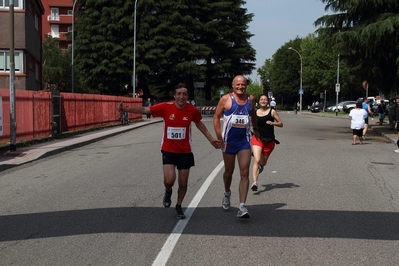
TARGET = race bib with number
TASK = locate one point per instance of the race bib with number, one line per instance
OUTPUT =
(240, 121)
(176, 133)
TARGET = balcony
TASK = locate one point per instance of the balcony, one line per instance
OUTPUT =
(62, 36)
(60, 19)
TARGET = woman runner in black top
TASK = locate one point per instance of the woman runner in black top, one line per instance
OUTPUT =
(263, 146)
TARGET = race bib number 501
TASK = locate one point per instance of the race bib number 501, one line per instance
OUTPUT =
(176, 133)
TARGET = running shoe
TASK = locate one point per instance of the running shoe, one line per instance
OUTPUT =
(243, 212)
(260, 169)
(364, 137)
(226, 202)
(179, 212)
(166, 199)
(397, 150)
(254, 186)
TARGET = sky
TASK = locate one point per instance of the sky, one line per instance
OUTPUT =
(276, 22)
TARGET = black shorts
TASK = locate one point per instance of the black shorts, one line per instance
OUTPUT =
(180, 160)
(366, 120)
(358, 132)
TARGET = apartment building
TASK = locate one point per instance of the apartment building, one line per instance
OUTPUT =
(57, 20)
(27, 44)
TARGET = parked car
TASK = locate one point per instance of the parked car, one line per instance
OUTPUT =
(349, 106)
(317, 108)
(340, 106)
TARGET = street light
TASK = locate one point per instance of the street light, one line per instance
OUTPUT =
(73, 37)
(134, 51)
(300, 79)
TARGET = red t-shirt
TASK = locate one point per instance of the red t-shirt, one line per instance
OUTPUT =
(177, 125)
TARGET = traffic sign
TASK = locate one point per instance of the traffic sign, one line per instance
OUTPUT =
(337, 87)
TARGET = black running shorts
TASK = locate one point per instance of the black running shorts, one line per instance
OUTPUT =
(180, 160)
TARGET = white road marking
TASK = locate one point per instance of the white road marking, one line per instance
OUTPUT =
(170, 243)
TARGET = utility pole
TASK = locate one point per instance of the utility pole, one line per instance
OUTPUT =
(13, 123)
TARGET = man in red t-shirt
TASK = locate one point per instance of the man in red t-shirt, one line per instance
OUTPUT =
(176, 141)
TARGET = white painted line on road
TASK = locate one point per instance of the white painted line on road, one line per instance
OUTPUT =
(170, 243)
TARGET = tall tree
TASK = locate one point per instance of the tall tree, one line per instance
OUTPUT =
(366, 33)
(204, 41)
(103, 45)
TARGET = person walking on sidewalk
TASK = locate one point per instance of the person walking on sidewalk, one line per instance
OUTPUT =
(176, 142)
(236, 109)
(381, 111)
(148, 104)
(262, 147)
(397, 121)
(366, 107)
(392, 114)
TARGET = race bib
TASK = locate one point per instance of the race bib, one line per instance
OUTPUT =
(176, 133)
(240, 121)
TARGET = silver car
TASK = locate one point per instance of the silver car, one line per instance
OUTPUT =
(340, 106)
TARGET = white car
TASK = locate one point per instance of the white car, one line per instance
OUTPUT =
(340, 106)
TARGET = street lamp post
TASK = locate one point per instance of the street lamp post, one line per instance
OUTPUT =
(73, 37)
(134, 51)
(300, 79)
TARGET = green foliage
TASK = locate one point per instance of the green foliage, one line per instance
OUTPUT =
(177, 41)
(56, 66)
(255, 89)
(366, 34)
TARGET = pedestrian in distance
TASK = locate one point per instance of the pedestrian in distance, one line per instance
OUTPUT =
(176, 142)
(357, 115)
(366, 107)
(148, 104)
(381, 111)
(236, 108)
(262, 147)
(392, 114)
(397, 121)
(273, 104)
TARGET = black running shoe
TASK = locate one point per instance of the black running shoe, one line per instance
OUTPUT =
(179, 212)
(166, 199)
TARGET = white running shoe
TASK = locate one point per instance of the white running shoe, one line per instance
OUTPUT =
(397, 150)
(243, 212)
(226, 202)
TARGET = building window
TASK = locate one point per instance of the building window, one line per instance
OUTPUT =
(55, 14)
(5, 61)
(18, 4)
(70, 12)
(55, 31)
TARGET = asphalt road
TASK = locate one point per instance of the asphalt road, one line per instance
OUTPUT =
(321, 201)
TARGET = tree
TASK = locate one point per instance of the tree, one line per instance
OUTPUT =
(206, 41)
(366, 34)
(56, 66)
(103, 46)
(177, 41)
(321, 67)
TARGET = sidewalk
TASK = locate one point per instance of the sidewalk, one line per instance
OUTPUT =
(34, 152)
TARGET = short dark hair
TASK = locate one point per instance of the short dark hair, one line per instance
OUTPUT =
(359, 105)
(179, 86)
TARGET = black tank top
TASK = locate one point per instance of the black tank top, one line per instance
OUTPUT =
(266, 131)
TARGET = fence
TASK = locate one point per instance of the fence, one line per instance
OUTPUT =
(37, 112)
